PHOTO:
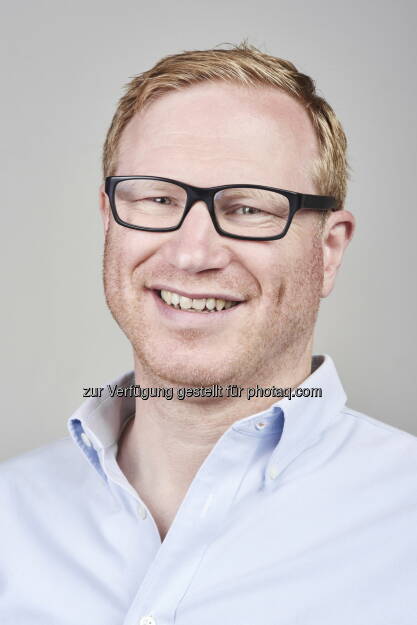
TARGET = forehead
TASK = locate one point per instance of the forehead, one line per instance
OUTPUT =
(217, 133)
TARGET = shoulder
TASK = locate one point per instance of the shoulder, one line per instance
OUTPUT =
(44, 471)
(372, 427)
(379, 444)
(40, 458)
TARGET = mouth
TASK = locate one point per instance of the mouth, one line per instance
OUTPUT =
(202, 305)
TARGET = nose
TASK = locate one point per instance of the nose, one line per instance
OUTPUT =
(196, 246)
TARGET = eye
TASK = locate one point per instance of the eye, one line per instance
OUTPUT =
(248, 210)
(160, 200)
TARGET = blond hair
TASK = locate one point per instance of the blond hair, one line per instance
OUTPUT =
(243, 64)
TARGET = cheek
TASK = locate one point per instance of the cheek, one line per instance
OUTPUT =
(127, 249)
(306, 274)
(291, 272)
(269, 266)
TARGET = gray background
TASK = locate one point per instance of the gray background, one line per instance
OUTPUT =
(64, 65)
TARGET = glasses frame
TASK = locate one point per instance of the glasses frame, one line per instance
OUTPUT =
(297, 201)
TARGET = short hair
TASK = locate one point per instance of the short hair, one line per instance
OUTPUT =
(246, 65)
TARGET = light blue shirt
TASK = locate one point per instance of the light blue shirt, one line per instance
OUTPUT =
(304, 514)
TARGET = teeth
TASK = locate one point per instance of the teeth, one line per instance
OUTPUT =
(186, 303)
(167, 296)
(199, 304)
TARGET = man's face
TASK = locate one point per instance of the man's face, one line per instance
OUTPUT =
(208, 135)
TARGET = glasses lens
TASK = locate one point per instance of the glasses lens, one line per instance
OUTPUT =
(149, 203)
(251, 212)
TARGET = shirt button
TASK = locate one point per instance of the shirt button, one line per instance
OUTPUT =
(86, 440)
(147, 620)
(142, 515)
(273, 473)
(260, 425)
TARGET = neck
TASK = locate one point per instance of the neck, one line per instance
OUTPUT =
(162, 448)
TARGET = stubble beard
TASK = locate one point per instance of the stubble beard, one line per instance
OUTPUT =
(261, 349)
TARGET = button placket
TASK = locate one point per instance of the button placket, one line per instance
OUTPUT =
(207, 502)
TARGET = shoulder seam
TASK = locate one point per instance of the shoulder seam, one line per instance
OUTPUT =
(376, 422)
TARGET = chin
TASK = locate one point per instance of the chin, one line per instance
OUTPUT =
(191, 370)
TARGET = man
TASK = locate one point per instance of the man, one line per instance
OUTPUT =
(200, 488)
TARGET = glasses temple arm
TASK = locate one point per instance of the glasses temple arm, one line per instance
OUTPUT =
(318, 202)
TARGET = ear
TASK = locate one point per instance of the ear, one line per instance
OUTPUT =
(104, 207)
(337, 233)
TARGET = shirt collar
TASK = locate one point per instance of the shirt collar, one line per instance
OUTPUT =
(300, 419)
(307, 417)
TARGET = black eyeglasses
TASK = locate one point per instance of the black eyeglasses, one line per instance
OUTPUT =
(241, 211)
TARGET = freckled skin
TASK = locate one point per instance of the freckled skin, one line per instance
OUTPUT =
(206, 135)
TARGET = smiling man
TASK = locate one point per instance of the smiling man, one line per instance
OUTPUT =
(224, 220)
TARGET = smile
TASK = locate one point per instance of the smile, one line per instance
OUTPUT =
(202, 305)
